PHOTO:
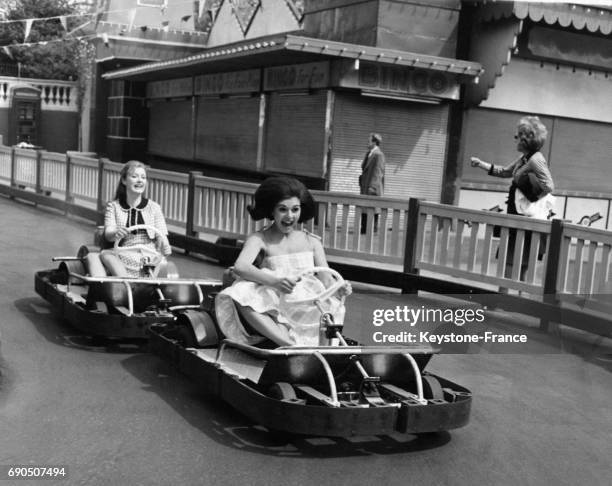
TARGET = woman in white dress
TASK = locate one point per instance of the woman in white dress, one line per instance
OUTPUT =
(259, 292)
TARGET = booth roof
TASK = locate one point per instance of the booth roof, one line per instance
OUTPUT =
(287, 49)
(593, 16)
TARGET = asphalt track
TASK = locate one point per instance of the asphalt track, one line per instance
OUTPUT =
(116, 415)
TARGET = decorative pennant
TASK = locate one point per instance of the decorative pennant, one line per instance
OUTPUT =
(208, 10)
(131, 18)
(28, 28)
(62, 20)
(297, 8)
(185, 18)
(213, 7)
(8, 52)
(244, 11)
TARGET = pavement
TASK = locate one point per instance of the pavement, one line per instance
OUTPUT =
(540, 413)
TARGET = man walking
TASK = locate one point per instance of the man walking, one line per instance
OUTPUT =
(372, 178)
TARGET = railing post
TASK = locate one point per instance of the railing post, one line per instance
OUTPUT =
(412, 224)
(13, 167)
(552, 267)
(191, 196)
(38, 172)
(101, 191)
(68, 196)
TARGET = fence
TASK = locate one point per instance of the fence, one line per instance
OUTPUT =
(417, 244)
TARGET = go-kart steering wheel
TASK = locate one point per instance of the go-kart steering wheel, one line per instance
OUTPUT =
(325, 293)
(144, 248)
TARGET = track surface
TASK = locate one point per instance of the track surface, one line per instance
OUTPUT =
(116, 415)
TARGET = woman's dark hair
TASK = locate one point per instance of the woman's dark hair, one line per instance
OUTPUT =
(275, 189)
(532, 132)
(120, 192)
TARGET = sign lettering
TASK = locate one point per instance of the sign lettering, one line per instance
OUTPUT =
(170, 88)
(297, 76)
(232, 82)
(398, 80)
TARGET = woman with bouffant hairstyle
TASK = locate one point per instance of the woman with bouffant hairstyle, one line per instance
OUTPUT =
(532, 183)
(258, 294)
(275, 189)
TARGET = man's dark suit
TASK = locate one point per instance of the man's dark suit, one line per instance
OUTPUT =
(372, 180)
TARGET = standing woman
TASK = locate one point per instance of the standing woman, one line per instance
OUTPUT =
(130, 208)
(532, 183)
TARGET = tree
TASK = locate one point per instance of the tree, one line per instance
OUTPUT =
(56, 55)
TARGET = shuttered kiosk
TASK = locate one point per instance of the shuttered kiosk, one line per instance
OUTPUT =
(295, 133)
(414, 143)
(227, 130)
(170, 128)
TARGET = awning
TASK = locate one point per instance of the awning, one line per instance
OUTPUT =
(594, 18)
(288, 49)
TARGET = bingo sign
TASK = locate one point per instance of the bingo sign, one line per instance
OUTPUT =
(400, 80)
(312, 75)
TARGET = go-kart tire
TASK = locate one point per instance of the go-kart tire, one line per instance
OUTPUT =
(66, 268)
(432, 389)
(200, 326)
(185, 335)
(282, 391)
(85, 250)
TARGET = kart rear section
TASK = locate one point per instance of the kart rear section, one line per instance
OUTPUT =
(320, 390)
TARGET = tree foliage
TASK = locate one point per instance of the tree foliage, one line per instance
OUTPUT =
(56, 56)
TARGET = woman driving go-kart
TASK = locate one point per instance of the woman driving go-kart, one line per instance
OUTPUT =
(137, 228)
(275, 298)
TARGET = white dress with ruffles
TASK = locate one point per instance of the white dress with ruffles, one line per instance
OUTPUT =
(302, 321)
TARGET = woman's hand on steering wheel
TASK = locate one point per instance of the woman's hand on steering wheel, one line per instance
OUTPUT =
(121, 233)
(155, 257)
(286, 284)
(346, 290)
(340, 287)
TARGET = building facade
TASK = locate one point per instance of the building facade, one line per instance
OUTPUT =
(287, 87)
(260, 87)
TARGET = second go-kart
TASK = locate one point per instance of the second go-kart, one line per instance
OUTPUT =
(338, 388)
(122, 307)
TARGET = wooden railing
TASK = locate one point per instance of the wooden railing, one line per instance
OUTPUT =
(53, 172)
(219, 207)
(583, 277)
(82, 178)
(462, 243)
(339, 225)
(554, 263)
(6, 164)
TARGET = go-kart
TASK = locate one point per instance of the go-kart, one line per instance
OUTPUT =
(122, 307)
(337, 388)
